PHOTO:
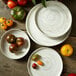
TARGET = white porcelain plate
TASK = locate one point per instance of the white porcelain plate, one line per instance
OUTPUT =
(5, 45)
(36, 35)
(53, 64)
(54, 20)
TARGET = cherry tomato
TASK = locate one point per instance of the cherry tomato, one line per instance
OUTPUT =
(22, 2)
(11, 4)
(9, 22)
(20, 41)
(72, 74)
(2, 19)
(13, 48)
(11, 38)
(4, 25)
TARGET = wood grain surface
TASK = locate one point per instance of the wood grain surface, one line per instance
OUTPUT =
(10, 67)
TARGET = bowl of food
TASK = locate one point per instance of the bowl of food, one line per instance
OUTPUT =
(15, 44)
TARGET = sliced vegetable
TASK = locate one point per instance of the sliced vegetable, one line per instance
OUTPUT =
(35, 57)
(34, 65)
(40, 62)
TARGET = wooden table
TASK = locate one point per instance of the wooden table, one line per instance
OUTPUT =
(10, 67)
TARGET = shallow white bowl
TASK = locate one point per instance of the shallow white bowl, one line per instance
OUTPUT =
(53, 64)
(54, 20)
(5, 45)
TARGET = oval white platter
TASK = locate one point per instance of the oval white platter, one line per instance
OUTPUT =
(5, 45)
(54, 20)
(53, 64)
(38, 36)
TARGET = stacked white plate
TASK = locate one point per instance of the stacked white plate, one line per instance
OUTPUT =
(49, 26)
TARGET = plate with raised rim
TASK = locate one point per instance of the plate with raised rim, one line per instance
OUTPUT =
(5, 45)
(54, 20)
(38, 36)
(53, 64)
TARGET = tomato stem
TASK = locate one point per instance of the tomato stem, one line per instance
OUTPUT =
(67, 51)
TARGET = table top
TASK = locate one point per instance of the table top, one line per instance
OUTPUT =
(10, 67)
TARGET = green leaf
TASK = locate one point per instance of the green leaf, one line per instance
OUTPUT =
(43, 2)
(34, 1)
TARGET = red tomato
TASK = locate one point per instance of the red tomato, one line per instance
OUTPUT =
(11, 4)
(72, 74)
(22, 2)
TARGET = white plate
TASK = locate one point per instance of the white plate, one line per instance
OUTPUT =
(5, 45)
(53, 64)
(54, 20)
(36, 35)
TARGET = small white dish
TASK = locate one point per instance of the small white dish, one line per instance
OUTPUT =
(54, 20)
(53, 64)
(5, 45)
(36, 35)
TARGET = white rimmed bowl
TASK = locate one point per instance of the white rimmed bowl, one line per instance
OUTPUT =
(21, 51)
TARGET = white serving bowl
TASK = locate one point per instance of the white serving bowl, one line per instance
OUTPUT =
(21, 51)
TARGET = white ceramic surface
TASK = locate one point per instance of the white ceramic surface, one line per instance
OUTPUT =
(5, 45)
(53, 64)
(36, 35)
(54, 20)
